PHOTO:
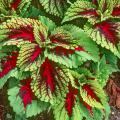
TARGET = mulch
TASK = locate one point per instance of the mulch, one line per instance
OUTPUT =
(113, 91)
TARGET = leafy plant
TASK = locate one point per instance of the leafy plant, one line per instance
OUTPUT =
(55, 62)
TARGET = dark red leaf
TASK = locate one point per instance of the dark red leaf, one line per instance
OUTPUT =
(116, 11)
(79, 48)
(47, 73)
(36, 53)
(8, 64)
(62, 51)
(90, 92)
(15, 4)
(25, 32)
(70, 99)
(26, 92)
(108, 29)
(90, 12)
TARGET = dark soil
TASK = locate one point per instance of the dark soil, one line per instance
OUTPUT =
(115, 113)
(113, 90)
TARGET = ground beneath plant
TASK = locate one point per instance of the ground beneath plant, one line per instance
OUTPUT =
(113, 91)
(115, 113)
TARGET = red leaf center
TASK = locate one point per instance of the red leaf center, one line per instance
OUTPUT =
(8, 64)
(36, 53)
(26, 92)
(25, 32)
(70, 99)
(48, 72)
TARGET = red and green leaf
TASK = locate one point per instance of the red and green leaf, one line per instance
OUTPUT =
(90, 92)
(24, 32)
(36, 53)
(79, 9)
(70, 99)
(8, 64)
(106, 34)
(49, 80)
(48, 74)
(28, 54)
(108, 30)
(26, 92)
(70, 108)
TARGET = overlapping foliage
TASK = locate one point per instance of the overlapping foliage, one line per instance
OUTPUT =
(60, 62)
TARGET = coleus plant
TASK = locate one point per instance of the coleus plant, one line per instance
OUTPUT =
(102, 25)
(58, 65)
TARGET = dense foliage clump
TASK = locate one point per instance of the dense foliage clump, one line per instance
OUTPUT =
(58, 55)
